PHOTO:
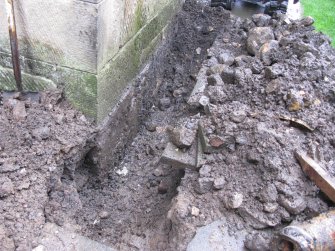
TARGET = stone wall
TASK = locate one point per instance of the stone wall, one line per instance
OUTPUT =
(91, 48)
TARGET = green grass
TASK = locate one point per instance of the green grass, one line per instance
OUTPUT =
(323, 12)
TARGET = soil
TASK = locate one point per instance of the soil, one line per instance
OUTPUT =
(249, 176)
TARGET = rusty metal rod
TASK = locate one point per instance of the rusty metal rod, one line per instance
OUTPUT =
(14, 44)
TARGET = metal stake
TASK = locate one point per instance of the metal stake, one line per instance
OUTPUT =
(14, 44)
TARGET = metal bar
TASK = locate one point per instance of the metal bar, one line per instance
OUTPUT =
(14, 44)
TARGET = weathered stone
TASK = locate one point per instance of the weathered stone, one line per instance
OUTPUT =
(216, 141)
(273, 86)
(307, 21)
(294, 205)
(226, 58)
(205, 171)
(177, 158)
(204, 101)
(261, 20)
(274, 71)
(253, 157)
(257, 242)
(268, 52)
(219, 183)
(269, 193)
(295, 100)
(41, 133)
(204, 185)
(216, 94)
(257, 37)
(8, 167)
(216, 69)
(182, 137)
(215, 80)
(232, 200)
(164, 104)
(195, 211)
(228, 75)
(199, 88)
(217, 237)
(257, 66)
(270, 207)
(19, 111)
(104, 214)
(238, 116)
(159, 171)
(6, 187)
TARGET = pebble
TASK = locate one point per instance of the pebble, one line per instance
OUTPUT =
(219, 183)
(233, 200)
(293, 205)
(6, 187)
(164, 104)
(195, 211)
(204, 185)
(104, 215)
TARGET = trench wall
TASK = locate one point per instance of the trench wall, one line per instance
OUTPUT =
(91, 48)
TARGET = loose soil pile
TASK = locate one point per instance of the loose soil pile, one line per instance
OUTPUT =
(248, 75)
(40, 144)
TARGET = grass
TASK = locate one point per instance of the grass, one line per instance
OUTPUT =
(323, 12)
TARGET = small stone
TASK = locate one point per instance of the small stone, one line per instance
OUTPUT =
(163, 187)
(182, 137)
(257, 242)
(150, 126)
(274, 71)
(8, 167)
(204, 185)
(19, 111)
(238, 116)
(295, 100)
(233, 200)
(216, 141)
(307, 21)
(270, 207)
(215, 80)
(269, 193)
(294, 205)
(198, 50)
(268, 52)
(257, 37)
(228, 75)
(6, 187)
(273, 86)
(195, 211)
(226, 58)
(205, 171)
(204, 101)
(164, 104)
(159, 171)
(261, 20)
(216, 69)
(104, 215)
(219, 183)
(41, 133)
(253, 158)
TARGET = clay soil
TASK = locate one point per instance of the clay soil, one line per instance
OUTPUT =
(251, 178)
